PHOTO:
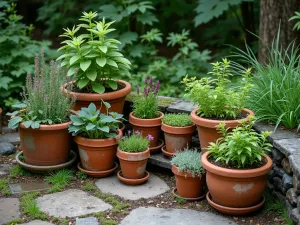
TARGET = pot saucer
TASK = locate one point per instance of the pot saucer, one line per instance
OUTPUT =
(44, 169)
(166, 153)
(234, 211)
(158, 147)
(98, 174)
(188, 199)
(133, 181)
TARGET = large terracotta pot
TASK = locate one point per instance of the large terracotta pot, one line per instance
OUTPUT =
(97, 154)
(147, 126)
(207, 131)
(47, 146)
(115, 98)
(187, 185)
(237, 188)
(133, 164)
(177, 138)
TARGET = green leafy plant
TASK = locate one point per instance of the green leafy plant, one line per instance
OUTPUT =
(145, 104)
(81, 175)
(188, 161)
(4, 188)
(214, 97)
(92, 58)
(59, 180)
(135, 142)
(90, 123)
(30, 207)
(177, 120)
(43, 103)
(296, 17)
(242, 147)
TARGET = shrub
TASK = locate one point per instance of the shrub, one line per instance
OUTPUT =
(177, 120)
(134, 142)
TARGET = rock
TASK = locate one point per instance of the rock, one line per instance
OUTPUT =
(270, 186)
(287, 146)
(87, 221)
(12, 138)
(18, 188)
(277, 156)
(37, 222)
(291, 197)
(278, 171)
(277, 182)
(287, 181)
(153, 187)
(181, 106)
(71, 203)
(295, 216)
(9, 209)
(271, 175)
(160, 160)
(7, 148)
(155, 216)
(296, 184)
(295, 163)
(4, 169)
(286, 166)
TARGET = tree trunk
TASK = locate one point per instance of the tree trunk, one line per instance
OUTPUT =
(272, 14)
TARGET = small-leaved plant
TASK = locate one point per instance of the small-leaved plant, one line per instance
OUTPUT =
(188, 161)
(177, 120)
(214, 97)
(242, 147)
(90, 123)
(145, 104)
(93, 58)
(135, 142)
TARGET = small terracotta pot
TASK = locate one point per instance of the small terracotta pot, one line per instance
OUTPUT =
(177, 138)
(97, 154)
(48, 145)
(187, 185)
(133, 164)
(115, 98)
(147, 126)
(207, 131)
(238, 188)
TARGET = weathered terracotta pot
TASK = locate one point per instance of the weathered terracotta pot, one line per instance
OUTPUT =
(133, 164)
(237, 188)
(187, 185)
(147, 126)
(115, 98)
(177, 138)
(207, 131)
(97, 154)
(47, 146)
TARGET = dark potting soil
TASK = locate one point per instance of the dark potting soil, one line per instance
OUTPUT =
(238, 117)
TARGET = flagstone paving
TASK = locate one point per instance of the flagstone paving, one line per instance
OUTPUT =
(4, 169)
(87, 221)
(37, 222)
(9, 209)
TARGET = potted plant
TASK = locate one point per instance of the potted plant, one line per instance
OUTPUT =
(217, 102)
(96, 135)
(145, 116)
(178, 130)
(94, 62)
(133, 153)
(189, 174)
(43, 117)
(238, 164)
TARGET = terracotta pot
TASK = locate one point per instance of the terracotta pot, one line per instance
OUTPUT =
(97, 154)
(207, 131)
(115, 98)
(147, 126)
(238, 188)
(133, 164)
(187, 185)
(177, 138)
(47, 146)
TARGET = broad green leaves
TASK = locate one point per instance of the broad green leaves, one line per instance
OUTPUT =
(91, 74)
(84, 65)
(101, 61)
(98, 88)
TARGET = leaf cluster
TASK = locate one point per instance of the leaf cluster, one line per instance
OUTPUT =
(177, 120)
(134, 143)
(296, 17)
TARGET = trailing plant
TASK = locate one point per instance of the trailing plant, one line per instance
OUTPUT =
(145, 104)
(43, 103)
(296, 17)
(213, 96)
(90, 123)
(242, 147)
(188, 161)
(177, 120)
(93, 59)
(135, 142)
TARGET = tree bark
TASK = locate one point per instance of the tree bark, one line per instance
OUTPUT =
(272, 14)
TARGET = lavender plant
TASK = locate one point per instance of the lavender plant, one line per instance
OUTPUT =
(135, 142)
(43, 103)
(145, 104)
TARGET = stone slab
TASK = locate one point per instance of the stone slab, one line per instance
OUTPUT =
(158, 159)
(28, 187)
(4, 169)
(9, 209)
(181, 106)
(87, 221)
(288, 146)
(37, 222)
(295, 164)
(153, 187)
(12, 138)
(155, 216)
(71, 203)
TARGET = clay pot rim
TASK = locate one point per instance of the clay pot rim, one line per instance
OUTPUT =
(236, 173)
(177, 130)
(166, 153)
(184, 173)
(145, 122)
(133, 181)
(130, 156)
(175, 193)
(213, 123)
(98, 97)
(59, 126)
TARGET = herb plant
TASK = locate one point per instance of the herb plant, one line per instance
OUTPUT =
(177, 120)
(43, 103)
(93, 59)
(145, 104)
(188, 161)
(214, 97)
(90, 123)
(242, 147)
(135, 142)
(296, 17)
